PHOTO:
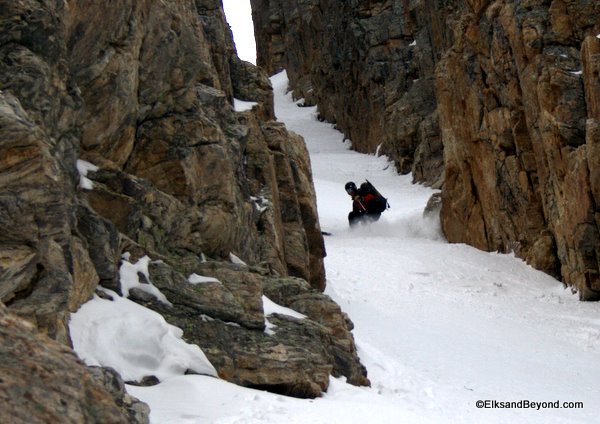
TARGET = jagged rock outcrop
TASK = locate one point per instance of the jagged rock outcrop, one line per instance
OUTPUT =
(294, 358)
(118, 135)
(508, 88)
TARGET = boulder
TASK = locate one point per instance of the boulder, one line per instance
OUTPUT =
(281, 353)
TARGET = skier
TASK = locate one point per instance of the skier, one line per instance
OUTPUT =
(367, 203)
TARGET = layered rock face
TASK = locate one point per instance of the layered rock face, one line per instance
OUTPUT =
(139, 94)
(508, 88)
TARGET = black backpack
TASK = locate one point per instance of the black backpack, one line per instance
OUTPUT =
(380, 203)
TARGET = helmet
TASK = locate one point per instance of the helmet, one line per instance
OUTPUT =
(350, 187)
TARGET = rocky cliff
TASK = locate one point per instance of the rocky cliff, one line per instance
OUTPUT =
(118, 140)
(495, 101)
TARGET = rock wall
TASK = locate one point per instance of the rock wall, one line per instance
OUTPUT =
(507, 90)
(370, 67)
(520, 150)
(143, 90)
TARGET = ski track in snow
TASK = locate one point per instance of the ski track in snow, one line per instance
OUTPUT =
(439, 326)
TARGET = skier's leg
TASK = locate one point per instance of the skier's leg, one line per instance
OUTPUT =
(354, 218)
(372, 217)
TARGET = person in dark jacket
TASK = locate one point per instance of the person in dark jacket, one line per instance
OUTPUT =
(365, 206)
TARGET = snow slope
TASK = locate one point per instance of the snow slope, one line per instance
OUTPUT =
(439, 326)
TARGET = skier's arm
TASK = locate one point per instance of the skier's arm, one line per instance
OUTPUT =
(358, 202)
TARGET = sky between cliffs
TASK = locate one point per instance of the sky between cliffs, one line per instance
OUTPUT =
(239, 17)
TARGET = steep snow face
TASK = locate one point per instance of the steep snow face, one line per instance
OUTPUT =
(439, 326)
(443, 325)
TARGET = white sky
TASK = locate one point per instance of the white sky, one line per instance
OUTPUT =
(239, 17)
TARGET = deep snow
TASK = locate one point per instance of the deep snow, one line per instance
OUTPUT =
(439, 326)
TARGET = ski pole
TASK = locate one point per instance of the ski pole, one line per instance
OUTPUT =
(360, 204)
